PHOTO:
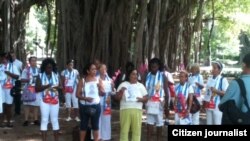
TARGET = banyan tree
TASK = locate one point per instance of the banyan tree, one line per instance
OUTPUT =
(113, 31)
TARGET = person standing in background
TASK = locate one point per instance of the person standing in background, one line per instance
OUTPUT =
(196, 81)
(17, 98)
(171, 91)
(105, 117)
(9, 74)
(183, 99)
(29, 75)
(70, 78)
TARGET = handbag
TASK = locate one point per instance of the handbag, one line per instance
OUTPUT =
(231, 113)
(90, 111)
(28, 96)
(196, 106)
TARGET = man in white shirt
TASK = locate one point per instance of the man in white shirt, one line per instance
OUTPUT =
(19, 66)
(16, 62)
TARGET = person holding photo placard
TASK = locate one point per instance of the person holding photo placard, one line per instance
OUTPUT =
(157, 87)
(105, 117)
(89, 91)
(131, 94)
(47, 85)
(215, 89)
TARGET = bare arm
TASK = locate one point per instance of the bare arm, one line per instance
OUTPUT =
(119, 94)
(12, 75)
(79, 90)
(144, 99)
(190, 101)
(39, 87)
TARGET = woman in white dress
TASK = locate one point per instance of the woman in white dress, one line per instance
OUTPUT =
(105, 117)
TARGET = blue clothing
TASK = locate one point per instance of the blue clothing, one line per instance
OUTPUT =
(233, 92)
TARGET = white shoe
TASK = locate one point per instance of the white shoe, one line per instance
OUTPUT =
(68, 119)
(77, 119)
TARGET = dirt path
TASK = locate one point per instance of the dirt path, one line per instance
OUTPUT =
(32, 133)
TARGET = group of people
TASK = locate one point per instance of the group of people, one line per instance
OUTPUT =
(90, 96)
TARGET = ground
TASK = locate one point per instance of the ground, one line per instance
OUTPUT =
(32, 133)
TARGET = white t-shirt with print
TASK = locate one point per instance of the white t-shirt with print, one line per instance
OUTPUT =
(139, 90)
(216, 83)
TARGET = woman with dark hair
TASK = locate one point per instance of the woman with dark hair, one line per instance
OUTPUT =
(131, 94)
(215, 90)
(29, 75)
(157, 87)
(8, 75)
(88, 91)
(129, 66)
(48, 84)
(70, 78)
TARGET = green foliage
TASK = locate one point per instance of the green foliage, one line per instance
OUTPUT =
(229, 16)
(245, 44)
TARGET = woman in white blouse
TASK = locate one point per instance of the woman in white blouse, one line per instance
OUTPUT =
(131, 94)
(215, 89)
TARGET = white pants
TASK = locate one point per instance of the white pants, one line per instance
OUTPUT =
(177, 119)
(214, 116)
(6, 97)
(155, 119)
(71, 98)
(104, 126)
(1, 99)
(49, 111)
(196, 118)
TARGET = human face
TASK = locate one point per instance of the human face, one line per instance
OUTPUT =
(154, 68)
(103, 69)
(4, 60)
(13, 56)
(49, 68)
(133, 76)
(97, 63)
(215, 70)
(193, 70)
(33, 62)
(70, 66)
(183, 77)
(92, 70)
